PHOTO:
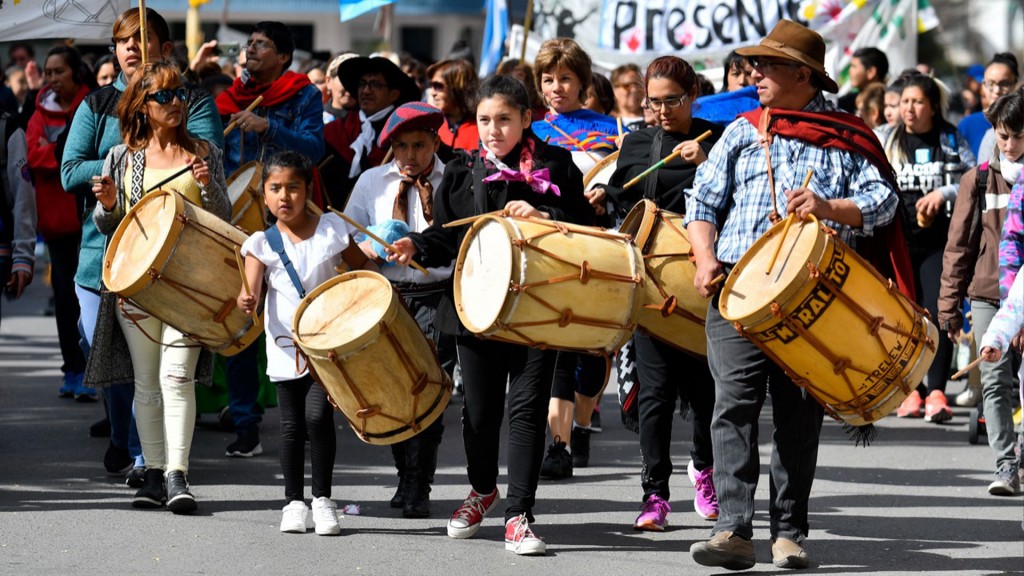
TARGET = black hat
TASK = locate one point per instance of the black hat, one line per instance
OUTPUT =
(351, 71)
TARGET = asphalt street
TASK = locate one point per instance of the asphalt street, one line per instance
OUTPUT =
(914, 501)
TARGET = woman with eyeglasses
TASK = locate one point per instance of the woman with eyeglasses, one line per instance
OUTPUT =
(452, 90)
(157, 144)
(628, 84)
(1002, 75)
(665, 373)
(929, 156)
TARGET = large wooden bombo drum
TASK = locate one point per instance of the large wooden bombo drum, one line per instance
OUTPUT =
(245, 191)
(177, 262)
(827, 317)
(367, 351)
(548, 284)
(672, 310)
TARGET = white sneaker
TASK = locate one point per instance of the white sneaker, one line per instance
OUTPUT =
(295, 518)
(969, 397)
(325, 516)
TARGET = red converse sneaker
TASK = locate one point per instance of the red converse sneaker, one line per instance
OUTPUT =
(521, 540)
(466, 520)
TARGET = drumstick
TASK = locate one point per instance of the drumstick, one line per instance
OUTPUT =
(175, 175)
(662, 162)
(618, 126)
(373, 236)
(388, 155)
(143, 33)
(245, 282)
(471, 219)
(718, 280)
(574, 141)
(967, 368)
(785, 227)
(250, 108)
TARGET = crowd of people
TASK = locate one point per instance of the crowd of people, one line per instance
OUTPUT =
(404, 148)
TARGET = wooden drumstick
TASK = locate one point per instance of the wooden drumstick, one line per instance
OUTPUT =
(471, 219)
(373, 236)
(175, 175)
(574, 141)
(718, 280)
(245, 282)
(231, 127)
(661, 163)
(974, 363)
(785, 227)
(143, 33)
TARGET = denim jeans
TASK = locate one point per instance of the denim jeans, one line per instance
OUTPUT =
(244, 390)
(743, 377)
(996, 390)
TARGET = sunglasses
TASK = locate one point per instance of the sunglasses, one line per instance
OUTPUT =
(437, 86)
(166, 96)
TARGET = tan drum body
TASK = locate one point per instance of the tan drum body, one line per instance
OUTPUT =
(602, 172)
(831, 321)
(245, 190)
(177, 262)
(672, 310)
(369, 354)
(548, 284)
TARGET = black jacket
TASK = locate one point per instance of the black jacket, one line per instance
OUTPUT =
(459, 196)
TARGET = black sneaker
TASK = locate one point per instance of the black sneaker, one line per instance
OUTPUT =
(595, 421)
(153, 494)
(246, 446)
(179, 499)
(558, 463)
(136, 477)
(580, 447)
(116, 459)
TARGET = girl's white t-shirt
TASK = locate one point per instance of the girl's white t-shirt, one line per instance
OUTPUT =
(314, 260)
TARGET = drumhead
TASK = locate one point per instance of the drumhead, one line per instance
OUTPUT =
(240, 180)
(144, 239)
(342, 310)
(484, 273)
(751, 289)
(602, 172)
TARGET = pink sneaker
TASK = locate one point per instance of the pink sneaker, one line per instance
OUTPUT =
(654, 515)
(465, 521)
(705, 502)
(521, 540)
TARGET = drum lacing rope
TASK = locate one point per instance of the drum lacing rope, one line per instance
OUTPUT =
(131, 318)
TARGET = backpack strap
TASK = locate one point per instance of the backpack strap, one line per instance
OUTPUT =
(651, 184)
(273, 235)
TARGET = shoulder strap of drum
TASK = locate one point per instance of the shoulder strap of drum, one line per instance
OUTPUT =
(273, 235)
(651, 184)
(138, 174)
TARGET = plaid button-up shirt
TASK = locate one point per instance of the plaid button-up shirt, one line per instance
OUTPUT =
(731, 188)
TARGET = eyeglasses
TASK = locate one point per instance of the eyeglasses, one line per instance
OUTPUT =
(1000, 86)
(668, 103)
(437, 86)
(372, 85)
(628, 85)
(258, 45)
(166, 96)
(768, 65)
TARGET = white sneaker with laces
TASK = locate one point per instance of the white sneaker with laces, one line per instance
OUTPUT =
(295, 518)
(325, 516)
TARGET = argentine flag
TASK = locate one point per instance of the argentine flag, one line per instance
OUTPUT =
(495, 32)
(352, 8)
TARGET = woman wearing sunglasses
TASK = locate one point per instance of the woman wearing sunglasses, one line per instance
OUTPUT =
(671, 87)
(453, 86)
(157, 145)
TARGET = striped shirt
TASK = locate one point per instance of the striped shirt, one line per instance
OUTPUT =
(731, 188)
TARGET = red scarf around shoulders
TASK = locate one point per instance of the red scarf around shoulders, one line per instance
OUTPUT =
(886, 250)
(240, 95)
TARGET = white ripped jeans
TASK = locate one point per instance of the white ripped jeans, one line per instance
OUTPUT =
(165, 393)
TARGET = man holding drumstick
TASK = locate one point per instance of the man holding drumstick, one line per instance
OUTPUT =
(732, 198)
(289, 117)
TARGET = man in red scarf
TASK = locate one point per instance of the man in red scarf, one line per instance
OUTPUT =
(754, 171)
(290, 117)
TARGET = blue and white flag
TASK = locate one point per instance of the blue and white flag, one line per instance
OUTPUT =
(354, 8)
(85, 19)
(495, 32)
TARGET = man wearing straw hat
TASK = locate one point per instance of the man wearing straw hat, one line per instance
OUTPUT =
(851, 190)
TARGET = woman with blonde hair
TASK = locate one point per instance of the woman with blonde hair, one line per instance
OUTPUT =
(157, 145)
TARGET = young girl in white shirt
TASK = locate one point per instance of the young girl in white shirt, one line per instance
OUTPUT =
(314, 246)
